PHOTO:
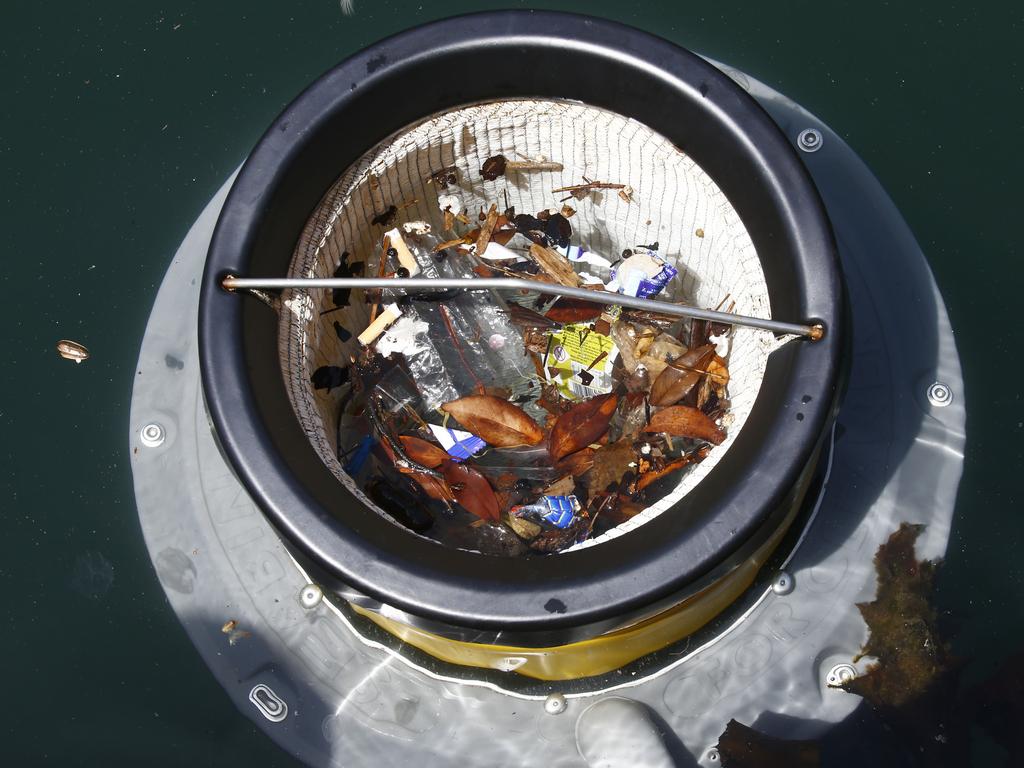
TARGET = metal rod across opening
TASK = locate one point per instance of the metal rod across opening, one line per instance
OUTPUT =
(813, 332)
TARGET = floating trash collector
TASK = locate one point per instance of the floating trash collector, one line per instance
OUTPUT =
(662, 160)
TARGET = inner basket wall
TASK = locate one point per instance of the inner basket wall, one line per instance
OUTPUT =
(674, 203)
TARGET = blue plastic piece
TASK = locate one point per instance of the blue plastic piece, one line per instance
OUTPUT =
(355, 464)
(556, 511)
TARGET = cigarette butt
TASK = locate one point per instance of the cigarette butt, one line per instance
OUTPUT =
(388, 315)
(405, 257)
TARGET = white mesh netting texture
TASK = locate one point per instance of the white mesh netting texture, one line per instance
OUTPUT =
(674, 203)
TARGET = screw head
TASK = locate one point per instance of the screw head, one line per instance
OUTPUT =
(939, 394)
(310, 596)
(810, 140)
(555, 704)
(152, 435)
(782, 584)
(840, 673)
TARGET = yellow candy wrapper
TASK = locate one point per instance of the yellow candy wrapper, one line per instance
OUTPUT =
(579, 361)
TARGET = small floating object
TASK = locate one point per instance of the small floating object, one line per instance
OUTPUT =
(72, 350)
(230, 628)
(552, 511)
(643, 274)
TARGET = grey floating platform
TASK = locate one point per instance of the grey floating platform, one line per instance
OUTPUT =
(298, 667)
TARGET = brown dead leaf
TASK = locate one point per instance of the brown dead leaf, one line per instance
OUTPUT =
(743, 747)
(555, 265)
(495, 421)
(673, 466)
(623, 509)
(484, 238)
(678, 378)
(568, 211)
(573, 311)
(472, 491)
(714, 383)
(481, 270)
(577, 463)
(611, 463)
(684, 421)
(452, 243)
(433, 487)
(422, 452)
(581, 425)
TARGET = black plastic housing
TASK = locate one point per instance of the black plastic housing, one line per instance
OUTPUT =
(396, 82)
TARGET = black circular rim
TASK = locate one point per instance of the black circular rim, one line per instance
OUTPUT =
(399, 81)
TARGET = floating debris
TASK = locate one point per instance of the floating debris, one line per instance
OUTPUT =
(72, 350)
(740, 746)
(445, 177)
(386, 218)
(499, 165)
(580, 191)
(902, 623)
(329, 377)
(558, 418)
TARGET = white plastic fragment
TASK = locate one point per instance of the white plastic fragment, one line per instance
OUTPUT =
(405, 337)
(450, 203)
(498, 252)
(388, 315)
(416, 228)
(643, 274)
(721, 344)
(580, 255)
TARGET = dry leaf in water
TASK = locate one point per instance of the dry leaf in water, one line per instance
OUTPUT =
(484, 238)
(577, 463)
(714, 383)
(743, 747)
(611, 462)
(422, 452)
(573, 311)
(472, 491)
(678, 378)
(673, 466)
(684, 421)
(433, 487)
(495, 421)
(581, 425)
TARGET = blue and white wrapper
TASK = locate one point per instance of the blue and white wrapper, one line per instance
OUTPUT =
(579, 255)
(459, 445)
(644, 274)
(555, 511)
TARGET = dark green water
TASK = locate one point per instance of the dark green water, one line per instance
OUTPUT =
(121, 119)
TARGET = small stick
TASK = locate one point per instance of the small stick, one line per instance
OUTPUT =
(532, 165)
(402, 460)
(588, 186)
